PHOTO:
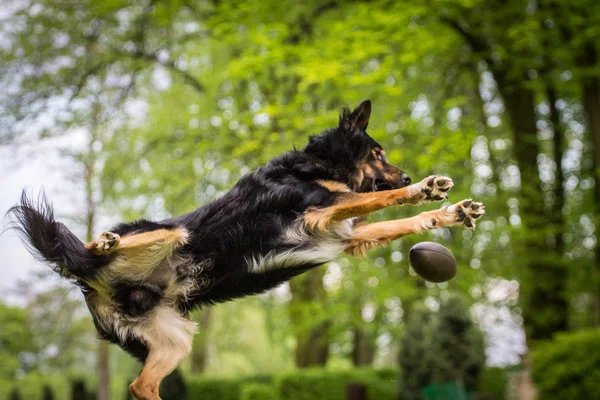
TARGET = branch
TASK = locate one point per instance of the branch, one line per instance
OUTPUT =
(170, 64)
(475, 42)
(82, 81)
(306, 23)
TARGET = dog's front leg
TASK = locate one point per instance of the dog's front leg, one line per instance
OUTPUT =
(350, 205)
(369, 236)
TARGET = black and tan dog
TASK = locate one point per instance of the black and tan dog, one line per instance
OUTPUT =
(301, 210)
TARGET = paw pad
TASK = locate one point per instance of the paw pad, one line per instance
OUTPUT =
(436, 188)
(468, 211)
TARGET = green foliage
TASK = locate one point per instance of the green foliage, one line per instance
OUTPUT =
(222, 388)
(310, 384)
(457, 345)
(258, 391)
(15, 395)
(78, 390)
(568, 366)
(15, 338)
(441, 348)
(47, 393)
(173, 387)
(444, 391)
(33, 386)
(494, 382)
(415, 352)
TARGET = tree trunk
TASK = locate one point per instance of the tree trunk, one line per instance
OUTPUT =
(199, 356)
(103, 358)
(591, 105)
(544, 278)
(102, 352)
(308, 295)
(559, 193)
(363, 350)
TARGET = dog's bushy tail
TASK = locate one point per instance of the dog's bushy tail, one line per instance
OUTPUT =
(50, 241)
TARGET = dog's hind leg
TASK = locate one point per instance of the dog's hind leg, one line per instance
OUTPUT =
(350, 205)
(369, 236)
(139, 254)
(105, 243)
(168, 336)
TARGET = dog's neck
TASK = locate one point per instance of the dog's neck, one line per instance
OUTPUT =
(331, 170)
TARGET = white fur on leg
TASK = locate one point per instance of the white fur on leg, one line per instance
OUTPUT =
(166, 331)
(168, 336)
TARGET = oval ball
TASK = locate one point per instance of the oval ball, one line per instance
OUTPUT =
(432, 262)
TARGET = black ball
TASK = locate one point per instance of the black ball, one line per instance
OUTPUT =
(432, 262)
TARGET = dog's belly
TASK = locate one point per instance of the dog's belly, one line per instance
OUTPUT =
(308, 248)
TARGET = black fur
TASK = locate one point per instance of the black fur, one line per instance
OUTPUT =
(52, 242)
(136, 299)
(246, 223)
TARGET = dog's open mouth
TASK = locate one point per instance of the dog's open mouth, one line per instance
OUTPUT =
(380, 185)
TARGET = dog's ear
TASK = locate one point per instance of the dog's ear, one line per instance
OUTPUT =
(359, 118)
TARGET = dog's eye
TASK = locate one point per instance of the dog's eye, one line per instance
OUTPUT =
(379, 156)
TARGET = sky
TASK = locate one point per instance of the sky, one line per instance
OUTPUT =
(15, 260)
(34, 168)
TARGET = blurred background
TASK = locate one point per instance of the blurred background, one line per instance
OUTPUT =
(128, 109)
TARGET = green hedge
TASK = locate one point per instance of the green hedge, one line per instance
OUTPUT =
(223, 388)
(305, 384)
(309, 384)
(493, 381)
(258, 391)
(568, 366)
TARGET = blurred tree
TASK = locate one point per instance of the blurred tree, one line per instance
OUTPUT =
(61, 331)
(441, 347)
(173, 387)
(199, 356)
(415, 353)
(491, 39)
(307, 315)
(15, 394)
(16, 339)
(78, 391)
(47, 393)
(111, 45)
(457, 345)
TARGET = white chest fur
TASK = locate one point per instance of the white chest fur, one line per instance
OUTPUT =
(312, 248)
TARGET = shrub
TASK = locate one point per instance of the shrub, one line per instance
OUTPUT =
(440, 348)
(494, 382)
(222, 388)
(15, 394)
(258, 391)
(302, 384)
(568, 366)
(173, 387)
(322, 384)
(47, 393)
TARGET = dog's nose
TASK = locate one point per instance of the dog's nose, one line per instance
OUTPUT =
(406, 179)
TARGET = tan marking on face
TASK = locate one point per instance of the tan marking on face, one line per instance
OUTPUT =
(358, 178)
(334, 186)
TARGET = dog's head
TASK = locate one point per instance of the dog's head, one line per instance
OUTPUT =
(362, 158)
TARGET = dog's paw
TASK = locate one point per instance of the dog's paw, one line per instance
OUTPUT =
(106, 243)
(464, 212)
(435, 188)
